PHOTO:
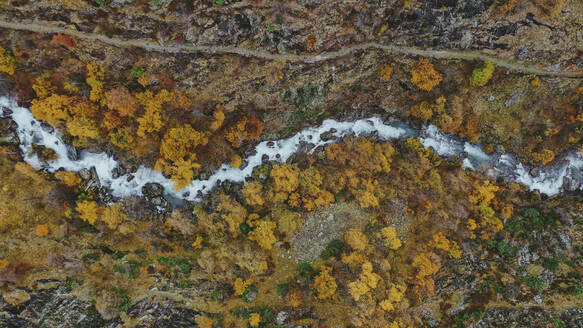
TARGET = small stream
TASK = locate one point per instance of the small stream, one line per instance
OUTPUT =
(548, 180)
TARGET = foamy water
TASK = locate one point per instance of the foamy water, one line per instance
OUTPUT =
(30, 131)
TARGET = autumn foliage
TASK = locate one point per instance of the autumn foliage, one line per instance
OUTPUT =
(7, 62)
(152, 120)
(60, 39)
(244, 130)
(122, 101)
(424, 75)
(178, 156)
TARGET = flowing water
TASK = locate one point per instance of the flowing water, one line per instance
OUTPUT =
(549, 180)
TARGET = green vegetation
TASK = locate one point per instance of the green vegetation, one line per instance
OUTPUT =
(481, 76)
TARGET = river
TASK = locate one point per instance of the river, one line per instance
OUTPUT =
(548, 180)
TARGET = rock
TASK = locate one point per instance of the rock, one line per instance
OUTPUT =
(560, 242)
(251, 294)
(525, 257)
(11, 140)
(429, 319)
(535, 172)
(159, 201)
(119, 3)
(85, 174)
(152, 190)
(116, 173)
(466, 40)
(8, 135)
(570, 184)
(328, 135)
(242, 21)
(521, 317)
(94, 177)
(47, 127)
(522, 54)
(129, 168)
(147, 313)
(16, 297)
(6, 111)
(547, 277)
(281, 317)
(205, 175)
(72, 152)
(573, 317)
(48, 306)
(514, 99)
(47, 284)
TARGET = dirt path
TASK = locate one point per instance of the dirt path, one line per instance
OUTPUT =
(182, 48)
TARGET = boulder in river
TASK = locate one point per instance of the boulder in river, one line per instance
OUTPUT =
(85, 174)
(570, 184)
(72, 153)
(152, 190)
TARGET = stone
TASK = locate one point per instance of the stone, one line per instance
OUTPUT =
(570, 184)
(281, 317)
(159, 201)
(116, 173)
(525, 257)
(94, 177)
(152, 190)
(72, 153)
(16, 297)
(522, 54)
(84, 174)
(6, 111)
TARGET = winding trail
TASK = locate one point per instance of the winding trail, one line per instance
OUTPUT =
(184, 48)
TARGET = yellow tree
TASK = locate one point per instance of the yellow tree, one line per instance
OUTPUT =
(424, 75)
(51, 108)
(325, 284)
(152, 120)
(95, 76)
(178, 157)
(7, 62)
(180, 142)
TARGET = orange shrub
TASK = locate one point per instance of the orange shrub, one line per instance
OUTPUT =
(42, 230)
(62, 40)
(121, 100)
(245, 129)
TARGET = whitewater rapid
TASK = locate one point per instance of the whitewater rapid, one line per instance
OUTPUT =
(549, 180)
